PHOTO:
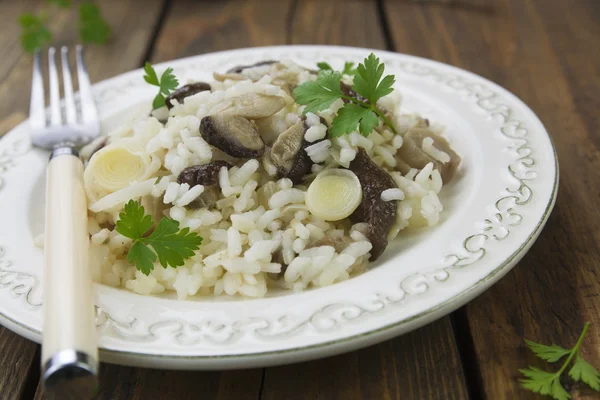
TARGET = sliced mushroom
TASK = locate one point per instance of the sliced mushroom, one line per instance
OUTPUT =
(234, 77)
(339, 243)
(186, 91)
(238, 69)
(233, 134)
(378, 214)
(412, 153)
(288, 153)
(251, 106)
(206, 175)
(154, 206)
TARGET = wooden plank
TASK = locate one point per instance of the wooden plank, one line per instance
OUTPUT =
(126, 49)
(423, 364)
(17, 355)
(337, 22)
(538, 51)
(126, 383)
(196, 27)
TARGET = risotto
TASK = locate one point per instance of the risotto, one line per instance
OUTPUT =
(279, 201)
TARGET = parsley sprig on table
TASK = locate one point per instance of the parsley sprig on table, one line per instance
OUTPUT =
(34, 32)
(166, 84)
(548, 383)
(92, 26)
(320, 94)
(167, 243)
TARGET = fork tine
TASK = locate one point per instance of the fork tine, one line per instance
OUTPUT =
(37, 115)
(55, 114)
(70, 108)
(88, 109)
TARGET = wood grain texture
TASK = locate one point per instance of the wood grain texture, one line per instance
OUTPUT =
(196, 27)
(423, 364)
(126, 49)
(337, 22)
(17, 355)
(126, 383)
(541, 51)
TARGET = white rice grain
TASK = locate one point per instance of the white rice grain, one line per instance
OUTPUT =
(433, 152)
(171, 192)
(392, 194)
(315, 132)
(189, 196)
(242, 175)
(234, 242)
(358, 249)
(285, 197)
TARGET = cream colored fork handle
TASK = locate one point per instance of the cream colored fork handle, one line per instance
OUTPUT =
(69, 327)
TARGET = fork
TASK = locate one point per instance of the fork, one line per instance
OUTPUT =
(69, 350)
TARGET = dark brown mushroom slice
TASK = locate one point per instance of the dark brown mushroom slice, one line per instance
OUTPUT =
(288, 153)
(186, 91)
(233, 134)
(348, 91)
(411, 153)
(206, 175)
(378, 214)
(239, 68)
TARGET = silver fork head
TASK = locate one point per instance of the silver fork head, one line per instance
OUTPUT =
(79, 125)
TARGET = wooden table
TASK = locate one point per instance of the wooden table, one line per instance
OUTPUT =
(545, 51)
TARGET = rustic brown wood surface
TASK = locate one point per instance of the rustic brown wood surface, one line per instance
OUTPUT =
(545, 51)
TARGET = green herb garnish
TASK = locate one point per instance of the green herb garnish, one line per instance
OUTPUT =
(166, 84)
(548, 383)
(34, 32)
(92, 27)
(170, 244)
(348, 67)
(320, 94)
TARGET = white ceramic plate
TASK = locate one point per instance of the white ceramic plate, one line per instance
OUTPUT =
(494, 209)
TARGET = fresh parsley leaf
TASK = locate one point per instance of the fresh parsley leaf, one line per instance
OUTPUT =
(133, 222)
(349, 68)
(548, 383)
(61, 3)
(352, 116)
(166, 84)
(549, 353)
(368, 82)
(92, 27)
(34, 33)
(542, 382)
(142, 257)
(323, 66)
(150, 76)
(170, 244)
(582, 371)
(320, 94)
